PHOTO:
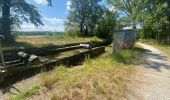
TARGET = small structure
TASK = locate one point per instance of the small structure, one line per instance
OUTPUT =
(124, 39)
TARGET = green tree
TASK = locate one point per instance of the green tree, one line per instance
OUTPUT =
(14, 12)
(85, 14)
(156, 24)
(106, 26)
(131, 8)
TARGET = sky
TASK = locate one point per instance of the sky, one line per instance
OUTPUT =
(52, 17)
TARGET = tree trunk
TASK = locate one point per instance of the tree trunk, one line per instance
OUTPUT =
(6, 21)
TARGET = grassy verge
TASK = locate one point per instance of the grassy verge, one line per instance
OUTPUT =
(164, 48)
(104, 77)
(27, 93)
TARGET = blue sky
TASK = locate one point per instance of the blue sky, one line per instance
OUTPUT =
(52, 17)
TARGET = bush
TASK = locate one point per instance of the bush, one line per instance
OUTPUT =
(106, 27)
(96, 39)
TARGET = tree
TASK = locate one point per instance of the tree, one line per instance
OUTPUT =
(14, 12)
(131, 8)
(85, 14)
(106, 26)
(157, 21)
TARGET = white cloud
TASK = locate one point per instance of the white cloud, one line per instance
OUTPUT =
(43, 2)
(54, 20)
(31, 27)
(68, 4)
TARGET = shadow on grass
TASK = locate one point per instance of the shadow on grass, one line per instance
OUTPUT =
(16, 45)
(128, 56)
(23, 45)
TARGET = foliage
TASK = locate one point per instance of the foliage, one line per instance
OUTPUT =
(14, 12)
(72, 30)
(152, 15)
(84, 15)
(105, 28)
(96, 39)
(131, 8)
(122, 22)
(157, 22)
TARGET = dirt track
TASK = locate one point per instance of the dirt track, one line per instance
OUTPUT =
(152, 81)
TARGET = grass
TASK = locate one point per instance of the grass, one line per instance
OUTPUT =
(27, 93)
(164, 48)
(47, 80)
(27, 41)
(103, 77)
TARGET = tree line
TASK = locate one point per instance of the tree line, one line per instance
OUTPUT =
(95, 18)
(88, 17)
(152, 15)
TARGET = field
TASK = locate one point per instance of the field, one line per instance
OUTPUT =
(101, 78)
(40, 41)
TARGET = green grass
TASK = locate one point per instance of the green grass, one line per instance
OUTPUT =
(164, 48)
(105, 76)
(26, 93)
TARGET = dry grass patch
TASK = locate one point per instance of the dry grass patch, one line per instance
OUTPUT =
(103, 78)
(33, 41)
(47, 79)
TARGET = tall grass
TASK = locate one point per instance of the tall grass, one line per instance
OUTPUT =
(104, 77)
(47, 80)
(27, 93)
(162, 47)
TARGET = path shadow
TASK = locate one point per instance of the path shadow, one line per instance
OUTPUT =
(156, 61)
(16, 45)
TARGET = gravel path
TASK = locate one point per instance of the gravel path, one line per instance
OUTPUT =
(152, 82)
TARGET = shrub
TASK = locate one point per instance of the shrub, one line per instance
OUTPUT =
(96, 39)
(47, 80)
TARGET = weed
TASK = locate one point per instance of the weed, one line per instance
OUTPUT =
(47, 80)
(27, 93)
